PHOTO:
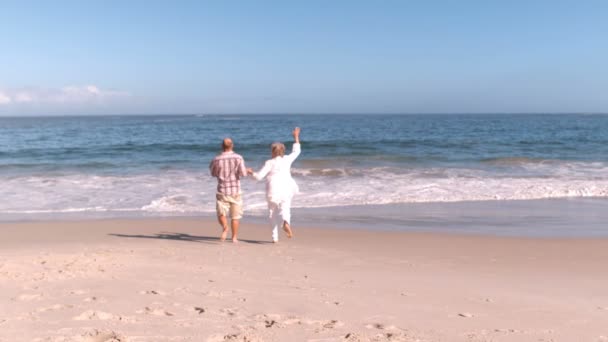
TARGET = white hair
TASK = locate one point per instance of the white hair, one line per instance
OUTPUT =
(277, 149)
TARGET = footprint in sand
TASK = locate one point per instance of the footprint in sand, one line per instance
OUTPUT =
(269, 323)
(268, 316)
(331, 324)
(352, 337)
(507, 331)
(234, 337)
(94, 299)
(155, 312)
(54, 308)
(94, 315)
(214, 294)
(291, 321)
(268, 320)
(392, 337)
(381, 326)
(230, 312)
(103, 336)
(90, 315)
(78, 292)
(152, 292)
(29, 297)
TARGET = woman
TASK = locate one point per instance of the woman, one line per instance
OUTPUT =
(280, 187)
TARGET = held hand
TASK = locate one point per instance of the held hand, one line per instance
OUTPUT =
(249, 171)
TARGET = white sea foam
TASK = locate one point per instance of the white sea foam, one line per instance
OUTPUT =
(174, 203)
(189, 192)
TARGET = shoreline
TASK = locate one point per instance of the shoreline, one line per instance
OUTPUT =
(540, 218)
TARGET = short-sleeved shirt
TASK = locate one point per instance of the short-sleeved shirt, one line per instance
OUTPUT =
(228, 167)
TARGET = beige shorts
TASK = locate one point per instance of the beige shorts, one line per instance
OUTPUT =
(232, 204)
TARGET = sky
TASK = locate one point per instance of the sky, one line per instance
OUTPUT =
(201, 57)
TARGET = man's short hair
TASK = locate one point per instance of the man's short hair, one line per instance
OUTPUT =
(227, 144)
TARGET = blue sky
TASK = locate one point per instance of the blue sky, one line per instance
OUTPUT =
(163, 57)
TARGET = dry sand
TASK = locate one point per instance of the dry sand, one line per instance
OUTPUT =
(172, 280)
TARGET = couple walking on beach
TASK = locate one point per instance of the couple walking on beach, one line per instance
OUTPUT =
(228, 167)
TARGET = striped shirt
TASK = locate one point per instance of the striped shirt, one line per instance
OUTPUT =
(228, 167)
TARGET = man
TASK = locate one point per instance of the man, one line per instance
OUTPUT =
(228, 167)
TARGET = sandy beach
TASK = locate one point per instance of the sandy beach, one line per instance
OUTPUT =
(172, 280)
(443, 165)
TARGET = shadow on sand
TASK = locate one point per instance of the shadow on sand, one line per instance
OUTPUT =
(187, 238)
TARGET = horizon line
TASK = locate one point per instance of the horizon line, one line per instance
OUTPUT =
(299, 113)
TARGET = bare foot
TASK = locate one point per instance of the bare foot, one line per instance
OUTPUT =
(224, 234)
(287, 229)
(235, 240)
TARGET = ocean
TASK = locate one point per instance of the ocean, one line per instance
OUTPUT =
(140, 166)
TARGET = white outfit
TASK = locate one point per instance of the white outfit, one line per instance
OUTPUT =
(280, 188)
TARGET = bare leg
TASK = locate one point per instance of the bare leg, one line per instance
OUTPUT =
(287, 229)
(235, 230)
(286, 215)
(224, 223)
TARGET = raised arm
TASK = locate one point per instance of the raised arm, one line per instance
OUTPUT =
(296, 135)
(295, 149)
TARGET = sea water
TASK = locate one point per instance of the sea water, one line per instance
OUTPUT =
(108, 166)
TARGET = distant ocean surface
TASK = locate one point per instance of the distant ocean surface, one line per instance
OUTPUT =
(158, 165)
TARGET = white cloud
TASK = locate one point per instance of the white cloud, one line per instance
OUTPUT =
(64, 95)
(4, 98)
(23, 97)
